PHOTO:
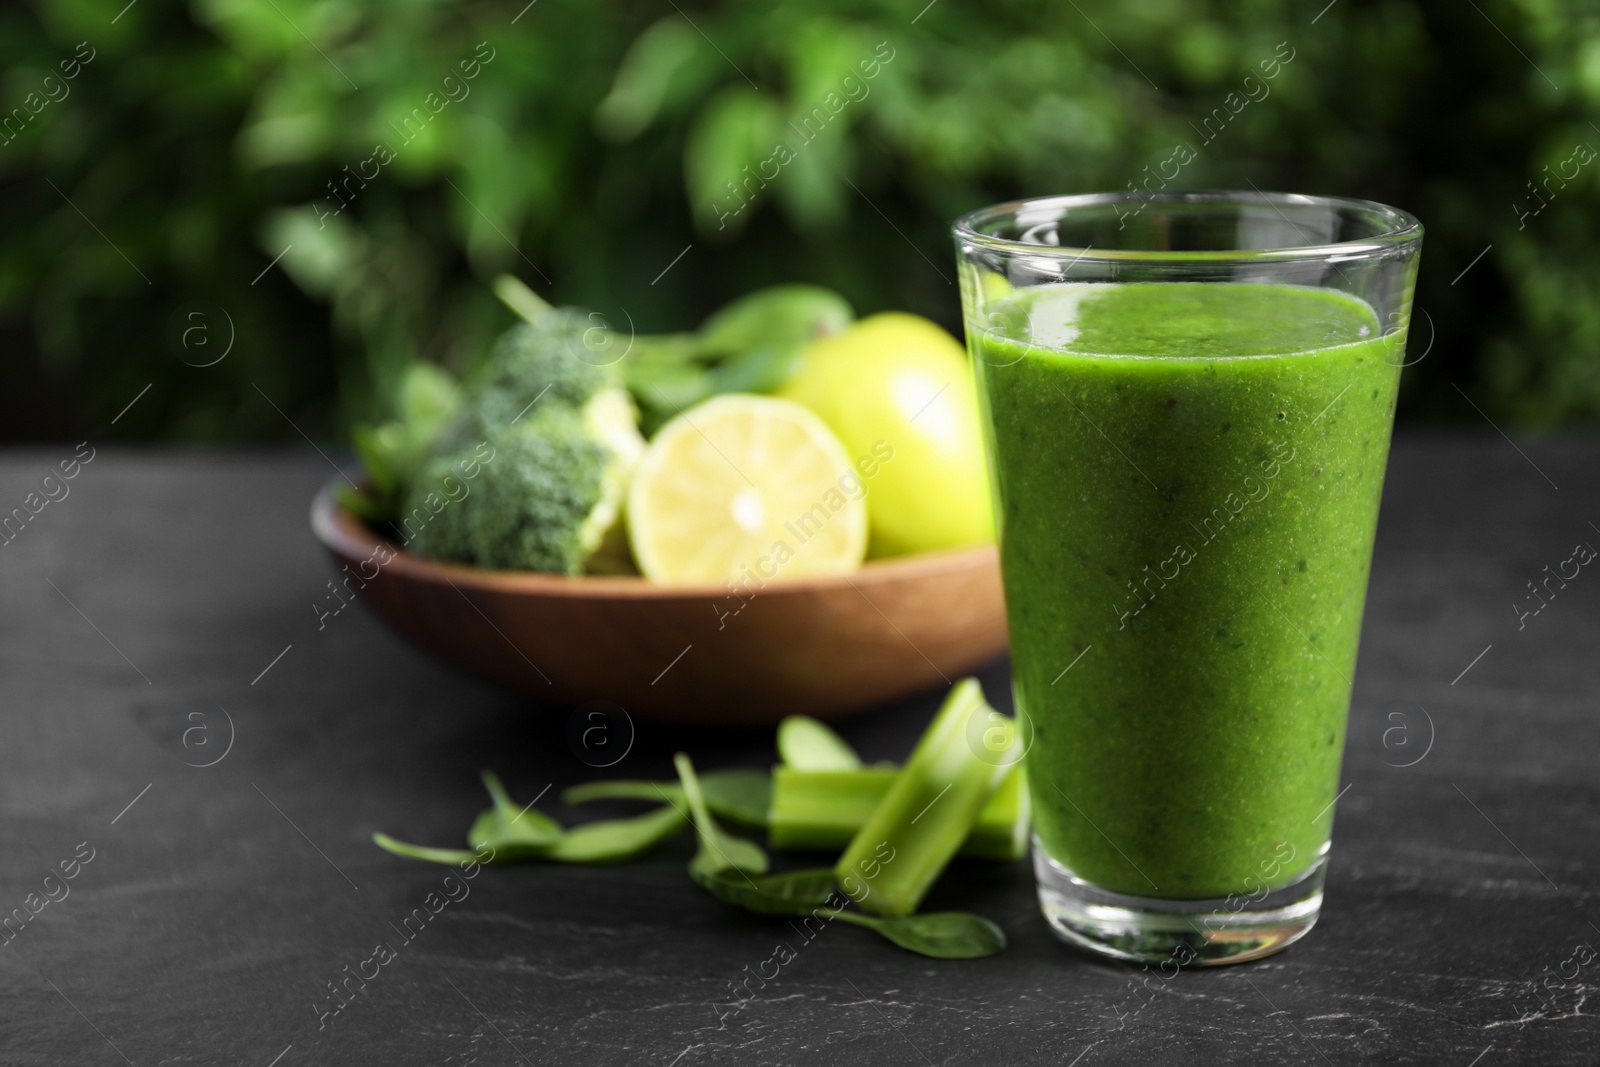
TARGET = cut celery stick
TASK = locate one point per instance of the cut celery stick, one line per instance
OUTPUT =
(1005, 822)
(807, 745)
(930, 807)
(823, 810)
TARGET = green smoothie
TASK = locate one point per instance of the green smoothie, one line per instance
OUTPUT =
(1189, 476)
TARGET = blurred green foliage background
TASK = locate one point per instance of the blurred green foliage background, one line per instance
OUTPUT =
(406, 150)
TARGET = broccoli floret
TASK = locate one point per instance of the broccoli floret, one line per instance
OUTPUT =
(548, 359)
(533, 472)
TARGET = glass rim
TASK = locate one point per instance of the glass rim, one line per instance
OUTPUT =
(1403, 232)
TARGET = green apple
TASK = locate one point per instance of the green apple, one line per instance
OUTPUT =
(899, 393)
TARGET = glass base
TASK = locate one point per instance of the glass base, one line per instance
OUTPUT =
(1197, 933)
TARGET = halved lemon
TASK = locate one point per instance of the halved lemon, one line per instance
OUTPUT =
(746, 489)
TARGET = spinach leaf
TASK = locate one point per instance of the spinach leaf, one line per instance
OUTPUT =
(791, 893)
(945, 935)
(452, 856)
(615, 840)
(718, 850)
(740, 795)
(807, 745)
(525, 834)
(507, 826)
(623, 789)
(949, 935)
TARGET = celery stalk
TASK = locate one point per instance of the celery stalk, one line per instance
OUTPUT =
(930, 807)
(1004, 823)
(823, 810)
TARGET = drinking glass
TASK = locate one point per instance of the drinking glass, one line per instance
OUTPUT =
(1188, 400)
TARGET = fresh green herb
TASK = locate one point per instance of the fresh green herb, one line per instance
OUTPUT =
(507, 826)
(807, 745)
(779, 314)
(425, 402)
(718, 850)
(945, 935)
(628, 789)
(929, 810)
(741, 796)
(616, 840)
(514, 833)
(791, 893)
(749, 346)
(760, 370)
(950, 935)
(451, 856)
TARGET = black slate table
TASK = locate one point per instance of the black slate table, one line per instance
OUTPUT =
(160, 616)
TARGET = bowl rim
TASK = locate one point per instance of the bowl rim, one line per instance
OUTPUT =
(346, 534)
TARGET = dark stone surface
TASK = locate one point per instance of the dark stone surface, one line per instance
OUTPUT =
(217, 908)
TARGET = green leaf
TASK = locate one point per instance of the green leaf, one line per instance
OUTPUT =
(624, 789)
(378, 448)
(644, 77)
(718, 850)
(791, 893)
(736, 129)
(507, 826)
(760, 370)
(361, 503)
(426, 398)
(807, 745)
(950, 935)
(821, 54)
(945, 935)
(671, 387)
(775, 314)
(615, 840)
(514, 833)
(318, 254)
(739, 795)
(432, 855)
(429, 397)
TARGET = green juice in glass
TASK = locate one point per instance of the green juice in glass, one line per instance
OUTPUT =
(1190, 476)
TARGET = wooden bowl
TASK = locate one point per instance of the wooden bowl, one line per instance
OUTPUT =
(686, 654)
